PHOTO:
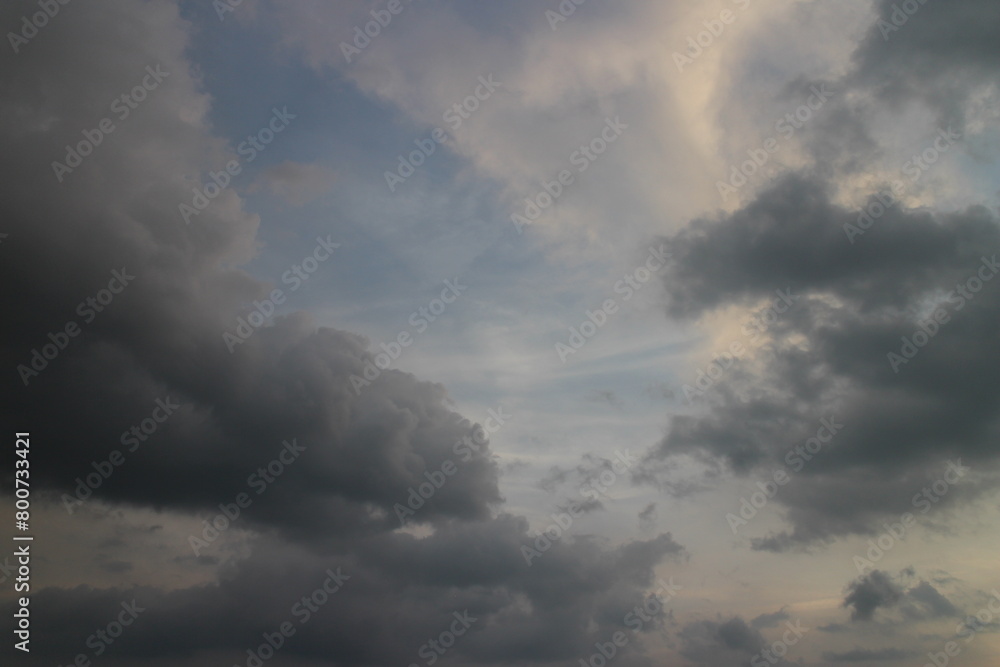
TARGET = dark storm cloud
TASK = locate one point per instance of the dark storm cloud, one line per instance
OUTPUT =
(858, 296)
(398, 591)
(161, 339)
(941, 59)
(829, 359)
(881, 590)
(116, 566)
(792, 237)
(870, 592)
(938, 54)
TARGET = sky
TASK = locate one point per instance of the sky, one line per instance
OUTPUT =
(513, 333)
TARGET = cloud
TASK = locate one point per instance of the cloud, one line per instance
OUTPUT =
(723, 642)
(854, 306)
(648, 517)
(465, 566)
(161, 338)
(878, 589)
(870, 592)
(769, 620)
(858, 297)
(939, 55)
(929, 603)
(606, 396)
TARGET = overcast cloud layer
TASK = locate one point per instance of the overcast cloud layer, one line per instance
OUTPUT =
(515, 333)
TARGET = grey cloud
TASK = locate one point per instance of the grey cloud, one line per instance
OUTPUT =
(880, 590)
(723, 642)
(769, 620)
(570, 593)
(870, 592)
(647, 517)
(939, 55)
(606, 396)
(162, 337)
(929, 602)
(854, 304)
